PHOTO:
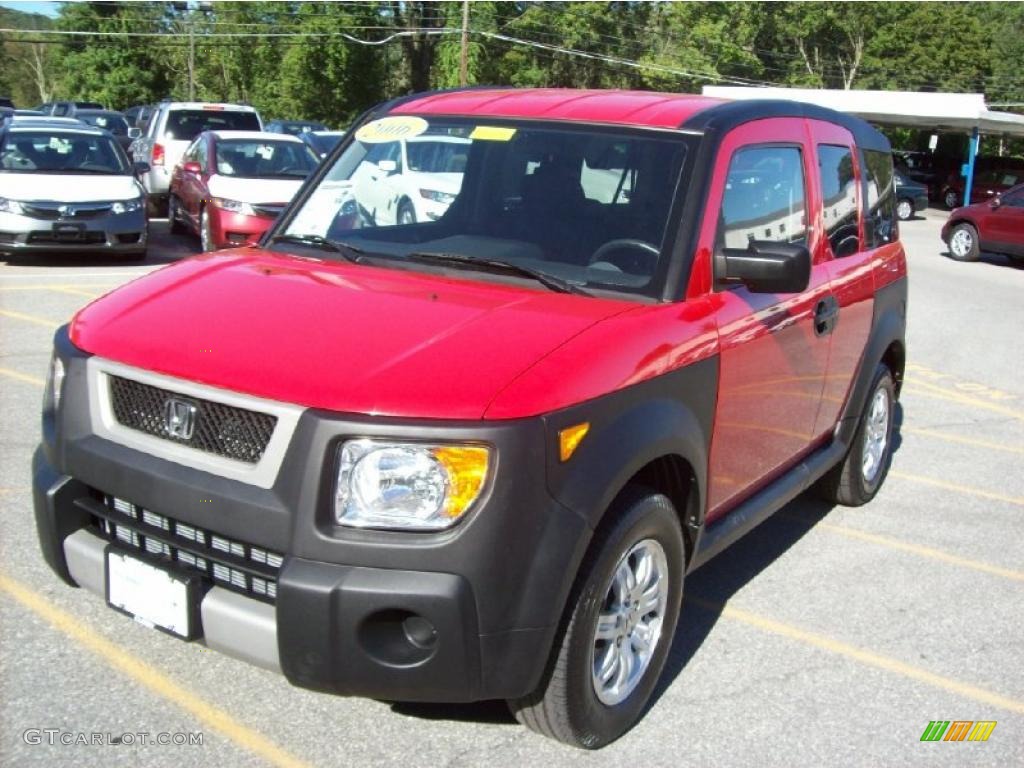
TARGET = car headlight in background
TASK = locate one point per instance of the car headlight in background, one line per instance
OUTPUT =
(55, 381)
(445, 198)
(10, 206)
(233, 206)
(407, 486)
(126, 206)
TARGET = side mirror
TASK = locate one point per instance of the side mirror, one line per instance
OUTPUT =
(140, 168)
(134, 133)
(192, 167)
(388, 166)
(768, 267)
(995, 202)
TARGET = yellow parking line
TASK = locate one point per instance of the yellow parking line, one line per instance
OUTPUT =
(966, 489)
(917, 549)
(960, 439)
(29, 318)
(866, 657)
(149, 677)
(930, 390)
(22, 377)
(76, 291)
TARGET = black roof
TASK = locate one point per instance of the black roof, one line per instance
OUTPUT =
(725, 117)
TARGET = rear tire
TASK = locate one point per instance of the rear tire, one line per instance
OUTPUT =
(905, 209)
(856, 479)
(951, 199)
(963, 243)
(597, 684)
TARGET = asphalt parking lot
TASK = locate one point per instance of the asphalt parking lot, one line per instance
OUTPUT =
(828, 636)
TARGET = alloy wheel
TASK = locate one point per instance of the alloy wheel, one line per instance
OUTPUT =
(876, 435)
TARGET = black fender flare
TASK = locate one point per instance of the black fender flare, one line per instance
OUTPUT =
(888, 327)
(668, 416)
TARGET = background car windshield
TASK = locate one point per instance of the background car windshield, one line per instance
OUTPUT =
(589, 206)
(324, 143)
(61, 153)
(262, 159)
(186, 124)
(116, 124)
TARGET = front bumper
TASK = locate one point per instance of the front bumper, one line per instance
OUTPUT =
(115, 233)
(463, 615)
(235, 229)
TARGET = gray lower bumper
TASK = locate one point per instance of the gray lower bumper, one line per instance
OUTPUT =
(232, 624)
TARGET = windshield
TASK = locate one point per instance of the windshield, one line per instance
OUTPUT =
(587, 205)
(186, 124)
(325, 142)
(264, 159)
(116, 124)
(71, 153)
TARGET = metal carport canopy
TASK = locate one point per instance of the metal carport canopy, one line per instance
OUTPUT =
(965, 112)
(937, 111)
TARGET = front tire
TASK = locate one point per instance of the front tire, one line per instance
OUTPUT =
(856, 479)
(621, 617)
(406, 213)
(905, 210)
(174, 216)
(206, 232)
(963, 243)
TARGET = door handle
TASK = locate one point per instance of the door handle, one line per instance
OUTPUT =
(826, 315)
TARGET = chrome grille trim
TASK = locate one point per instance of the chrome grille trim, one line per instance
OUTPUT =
(262, 474)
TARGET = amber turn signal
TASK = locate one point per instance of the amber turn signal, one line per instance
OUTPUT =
(570, 438)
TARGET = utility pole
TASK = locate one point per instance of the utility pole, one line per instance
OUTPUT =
(464, 55)
(191, 59)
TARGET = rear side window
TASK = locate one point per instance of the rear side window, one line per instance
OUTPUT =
(880, 227)
(839, 199)
(186, 124)
(764, 197)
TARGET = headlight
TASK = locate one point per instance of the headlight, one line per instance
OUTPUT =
(407, 486)
(445, 198)
(233, 206)
(10, 206)
(56, 379)
(126, 206)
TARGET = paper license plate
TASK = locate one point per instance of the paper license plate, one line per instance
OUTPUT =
(151, 595)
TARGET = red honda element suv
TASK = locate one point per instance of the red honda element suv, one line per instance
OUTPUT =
(474, 457)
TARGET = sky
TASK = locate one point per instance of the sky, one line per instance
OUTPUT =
(47, 9)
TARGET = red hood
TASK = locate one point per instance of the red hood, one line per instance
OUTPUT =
(343, 337)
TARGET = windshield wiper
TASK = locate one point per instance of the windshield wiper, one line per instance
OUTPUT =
(496, 265)
(350, 252)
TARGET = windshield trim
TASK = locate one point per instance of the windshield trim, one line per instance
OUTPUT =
(672, 261)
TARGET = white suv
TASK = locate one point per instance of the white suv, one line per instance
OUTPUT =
(170, 131)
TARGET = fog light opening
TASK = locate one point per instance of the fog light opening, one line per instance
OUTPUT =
(398, 638)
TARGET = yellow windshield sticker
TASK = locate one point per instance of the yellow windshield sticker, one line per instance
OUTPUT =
(492, 133)
(391, 129)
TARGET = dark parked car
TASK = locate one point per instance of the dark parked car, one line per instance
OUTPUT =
(996, 226)
(108, 120)
(6, 102)
(138, 115)
(992, 176)
(294, 127)
(321, 142)
(911, 197)
(68, 108)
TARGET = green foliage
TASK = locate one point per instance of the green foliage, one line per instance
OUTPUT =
(327, 74)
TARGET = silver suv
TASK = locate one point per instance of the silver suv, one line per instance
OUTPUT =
(171, 130)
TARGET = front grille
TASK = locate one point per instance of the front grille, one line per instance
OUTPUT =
(223, 430)
(269, 209)
(229, 563)
(70, 212)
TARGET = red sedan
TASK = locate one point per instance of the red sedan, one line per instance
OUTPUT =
(996, 226)
(231, 185)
